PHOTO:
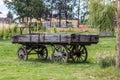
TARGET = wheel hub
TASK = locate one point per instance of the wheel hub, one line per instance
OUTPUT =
(78, 53)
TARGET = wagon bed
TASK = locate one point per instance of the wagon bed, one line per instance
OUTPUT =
(45, 38)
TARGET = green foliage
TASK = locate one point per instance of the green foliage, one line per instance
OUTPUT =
(42, 28)
(101, 15)
(55, 30)
(35, 26)
(15, 29)
(6, 34)
(38, 7)
(10, 33)
(10, 15)
(38, 27)
(1, 34)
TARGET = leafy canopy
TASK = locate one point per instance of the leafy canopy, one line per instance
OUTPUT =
(101, 14)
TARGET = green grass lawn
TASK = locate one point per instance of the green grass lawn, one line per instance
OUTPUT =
(12, 69)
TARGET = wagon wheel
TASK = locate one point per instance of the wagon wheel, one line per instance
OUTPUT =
(22, 53)
(80, 54)
(42, 53)
(61, 54)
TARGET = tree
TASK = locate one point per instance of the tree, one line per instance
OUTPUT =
(84, 12)
(50, 4)
(64, 10)
(101, 15)
(39, 11)
(68, 9)
(60, 9)
(19, 7)
(80, 11)
(27, 8)
(10, 15)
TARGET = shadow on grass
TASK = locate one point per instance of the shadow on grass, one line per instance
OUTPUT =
(87, 62)
(39, 60)
(49, 61)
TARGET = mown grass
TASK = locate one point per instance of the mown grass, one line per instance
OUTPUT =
(12, 69)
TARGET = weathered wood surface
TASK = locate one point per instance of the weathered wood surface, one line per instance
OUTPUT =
(55, 38)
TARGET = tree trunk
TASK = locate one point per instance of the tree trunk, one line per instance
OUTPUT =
(66, 13)
(51, 20)
(118, 35)
(78, 13)
(60, 18)
(51, 14)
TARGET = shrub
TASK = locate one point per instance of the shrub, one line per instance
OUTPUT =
(34, 26)
(6, 33)
(105, 60)
(1, 34)
(55, 30)
(42, 28)
(10, 33)
(14, 30)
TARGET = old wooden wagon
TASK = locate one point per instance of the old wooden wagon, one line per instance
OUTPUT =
(64, 46)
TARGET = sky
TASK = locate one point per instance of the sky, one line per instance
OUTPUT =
(3, 9)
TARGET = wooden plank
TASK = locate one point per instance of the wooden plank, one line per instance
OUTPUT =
(34, 38)
(65, 38)
(75, 38)
(56, 38)
(84, 38)
(42, 37)
(94, 38)
(24, 38)
(53, 38)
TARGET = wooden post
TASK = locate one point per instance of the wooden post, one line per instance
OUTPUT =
(118, 35)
